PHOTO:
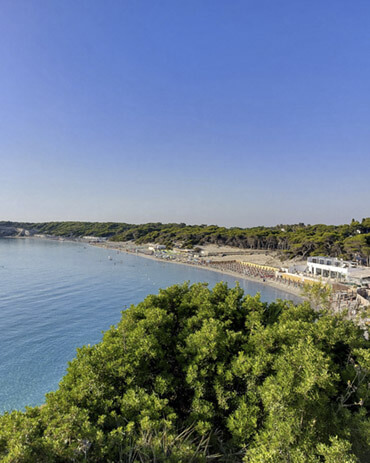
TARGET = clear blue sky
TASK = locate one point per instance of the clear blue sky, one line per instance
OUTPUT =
(242, 113)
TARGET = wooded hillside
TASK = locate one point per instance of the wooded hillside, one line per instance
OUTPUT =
(351, 241)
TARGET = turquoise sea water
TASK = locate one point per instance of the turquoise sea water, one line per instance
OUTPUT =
(57, 296)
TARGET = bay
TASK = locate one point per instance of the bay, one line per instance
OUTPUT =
(56, 296)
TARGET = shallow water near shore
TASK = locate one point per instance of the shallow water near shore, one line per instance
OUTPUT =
(57, 296)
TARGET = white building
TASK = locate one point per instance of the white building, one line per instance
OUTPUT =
(157, 247)
(338, 269)
(94, 239)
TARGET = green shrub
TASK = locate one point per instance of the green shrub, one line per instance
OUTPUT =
(194, 374)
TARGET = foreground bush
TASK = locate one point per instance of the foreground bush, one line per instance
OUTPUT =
(194, 374)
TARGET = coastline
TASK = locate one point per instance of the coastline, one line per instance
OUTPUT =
(286, 288)
(118, 247)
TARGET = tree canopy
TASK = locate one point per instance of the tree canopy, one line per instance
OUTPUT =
(350, 241)
(194, 374)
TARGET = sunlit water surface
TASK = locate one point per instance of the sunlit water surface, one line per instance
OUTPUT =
(57, 296)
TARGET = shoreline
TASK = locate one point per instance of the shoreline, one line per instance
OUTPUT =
(288, 289)
(116, 247)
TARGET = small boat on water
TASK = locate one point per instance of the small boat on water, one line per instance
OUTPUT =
(109, 257)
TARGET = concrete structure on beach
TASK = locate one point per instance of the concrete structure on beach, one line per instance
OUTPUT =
(94, 239)
(338, 269)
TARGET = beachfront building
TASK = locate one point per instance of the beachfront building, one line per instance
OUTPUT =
(157, 247)
(338, 269)
(329, 267)
(94, 239)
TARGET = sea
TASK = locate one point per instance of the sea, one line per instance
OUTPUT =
(56, 296)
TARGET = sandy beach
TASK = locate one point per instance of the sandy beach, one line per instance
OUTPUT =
(258, 257)
(222, 253)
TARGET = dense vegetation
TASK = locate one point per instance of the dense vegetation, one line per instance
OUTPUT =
(197, 375)
(350, 241)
